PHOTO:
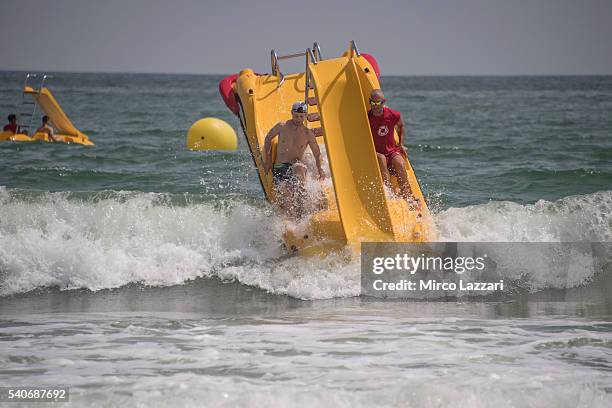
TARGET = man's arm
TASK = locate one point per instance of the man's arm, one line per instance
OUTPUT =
(267, 156)
(52, 134)
(314, 146)
(400, 133)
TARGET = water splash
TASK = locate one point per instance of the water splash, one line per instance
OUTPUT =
(107, 241)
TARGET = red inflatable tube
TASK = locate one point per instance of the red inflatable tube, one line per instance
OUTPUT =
(227, 93)
(373, 63)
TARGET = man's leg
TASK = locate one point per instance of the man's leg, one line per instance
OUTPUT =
(299, 169)
(382, 163)
(283, 196)
(299, 191)
(399, 165)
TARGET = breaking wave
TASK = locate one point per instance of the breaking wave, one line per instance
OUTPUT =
(103, 241)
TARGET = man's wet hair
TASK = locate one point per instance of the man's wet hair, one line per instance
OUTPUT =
(45, 119)
(12, 117)
(377, 92)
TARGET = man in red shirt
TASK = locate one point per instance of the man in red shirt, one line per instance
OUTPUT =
(12, 125)
(383, 121)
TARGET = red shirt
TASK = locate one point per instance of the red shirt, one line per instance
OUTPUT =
(10, 128)
(382, 130)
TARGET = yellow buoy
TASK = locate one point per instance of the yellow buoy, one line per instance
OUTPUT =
(211, 134)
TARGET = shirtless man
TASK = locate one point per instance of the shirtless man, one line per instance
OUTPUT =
(289, 171)
(46, 128)
(383, 121)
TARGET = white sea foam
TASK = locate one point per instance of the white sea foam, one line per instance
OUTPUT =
(108, 242)
(575, 218)
(571, 219)
(377, 355)
(111, 242)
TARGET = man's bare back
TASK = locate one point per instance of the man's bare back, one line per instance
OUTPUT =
(46, 128)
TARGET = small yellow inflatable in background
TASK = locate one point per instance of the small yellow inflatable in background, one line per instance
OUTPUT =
(211, 134)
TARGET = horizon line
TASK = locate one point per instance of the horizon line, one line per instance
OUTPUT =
(382, 75)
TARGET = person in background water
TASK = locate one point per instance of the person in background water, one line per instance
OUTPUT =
(46, 128)
(383, 121)
(12, 125)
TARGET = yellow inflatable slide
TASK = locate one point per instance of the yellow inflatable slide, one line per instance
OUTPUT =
(65, 131)
(357, 208)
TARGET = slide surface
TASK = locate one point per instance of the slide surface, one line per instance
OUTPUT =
(360, 195)
(51, 108)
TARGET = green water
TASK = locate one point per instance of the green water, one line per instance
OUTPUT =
(471, 139)
(139, 273)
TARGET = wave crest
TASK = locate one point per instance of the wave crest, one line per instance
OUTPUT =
(104, 241)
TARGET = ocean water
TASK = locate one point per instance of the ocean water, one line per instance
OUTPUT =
(140, 273)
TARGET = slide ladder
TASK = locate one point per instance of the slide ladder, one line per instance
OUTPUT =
(28, 106)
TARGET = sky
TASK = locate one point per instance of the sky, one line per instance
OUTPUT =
(435, 37)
